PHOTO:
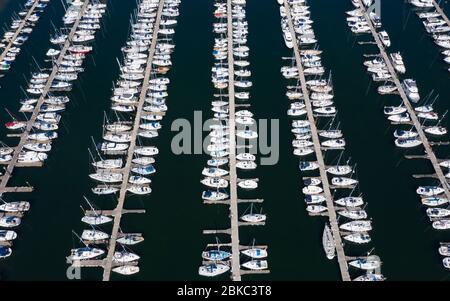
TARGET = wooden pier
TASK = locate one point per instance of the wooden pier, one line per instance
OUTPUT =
(318, 151)
(108, 264)
(24, 136)
(18, 30)
(235, 263)
(412, 113)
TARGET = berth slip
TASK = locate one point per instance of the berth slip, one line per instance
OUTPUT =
(311, 100)
(417, 125)
(46, 101)
(230, 146)
(123, 162)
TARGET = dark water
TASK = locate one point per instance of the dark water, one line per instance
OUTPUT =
(175, 214)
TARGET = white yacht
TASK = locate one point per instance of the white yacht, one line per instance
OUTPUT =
(350, 201)
(434, 201)
(314, 199)
(339, 170)
(248, 184)
(10, 221)
(365, 263)
(429, 190)
(357, 226)
(85, 253)
(94, 235)
(254, 252)
(130, 238)
(411, 90)
(343, 181)
(353, 214)
(328, 243)
(316, 209)
(384, 37)
(255, 264)
(443, 224)
(124, 256)
(126, 269)
(312, 189)
(358, 238)
(20, 206)
(215, 182)
(213, 269)
(96, 219)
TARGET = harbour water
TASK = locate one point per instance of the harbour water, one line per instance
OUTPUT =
(175, 216)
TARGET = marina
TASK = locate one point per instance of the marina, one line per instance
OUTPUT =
(436, 24)
(408, 92)
(309, 91)
(149, 40)
(345, 195)
(22, 155)
(230, 74)
(12, 41)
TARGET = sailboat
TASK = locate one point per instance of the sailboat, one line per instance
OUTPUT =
(255, 252)
(94, 235)
(130, 238)
(328, 243)
(94, 218)
(253, 217)
(213, 269)
(126, 269)
(14, 206)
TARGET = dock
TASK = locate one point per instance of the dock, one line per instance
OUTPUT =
(24, 136)
(18, 30)
(119, 210)
(235, 264)
(319, 156)
(417, 124)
